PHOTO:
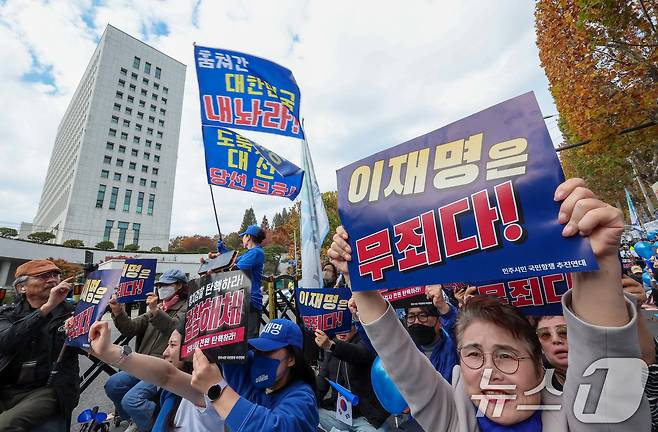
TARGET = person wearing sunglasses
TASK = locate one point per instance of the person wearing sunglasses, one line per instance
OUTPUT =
(498, 385)
(31, 339)
(552, 335)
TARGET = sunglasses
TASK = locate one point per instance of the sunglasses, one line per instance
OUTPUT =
(544, 333)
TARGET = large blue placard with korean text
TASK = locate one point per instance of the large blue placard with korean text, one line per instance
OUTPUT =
(470, 201)
(96, 293)
(137, 279)
(242, 91)
(325, 309)
(235, 162)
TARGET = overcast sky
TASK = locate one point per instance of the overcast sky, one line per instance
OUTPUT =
(371, 76)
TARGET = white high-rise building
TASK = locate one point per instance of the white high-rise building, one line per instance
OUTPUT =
(112, 170)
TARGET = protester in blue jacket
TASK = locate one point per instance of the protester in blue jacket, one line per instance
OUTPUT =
(274, 391)
(251, 260)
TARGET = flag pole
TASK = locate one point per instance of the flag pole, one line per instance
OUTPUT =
(219, 230)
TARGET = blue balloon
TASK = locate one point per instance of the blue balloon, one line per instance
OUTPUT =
(644, 249)
(85, 416)
(385, 390)
(652, 235)
(646, 278)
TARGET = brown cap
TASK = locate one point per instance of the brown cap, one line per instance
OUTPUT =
(35, 268)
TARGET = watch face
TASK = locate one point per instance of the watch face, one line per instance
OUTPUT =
(214, 392)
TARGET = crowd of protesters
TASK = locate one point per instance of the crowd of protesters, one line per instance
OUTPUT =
(464, 363)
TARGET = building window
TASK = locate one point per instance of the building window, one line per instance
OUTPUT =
(159, 134)
(117, 176)
(147, 156)
(124, 71)
(119, 162)
(136, 228)
(165, 90)
(156, 158)
(154, 171)
(105, 173)
(136, 140)
(145, 168)
(130, 179)
(153, 107)
(107, 159)
(147, 68)
(149, 131)
(108, 230)
(148, 143)
(138, 127)
(134, 152)
(124, 136)
(140, 202)
(113, 198)
(114, 120)
(145, 81)
(149, 210)
(113, 132)
(163, 111)
(154, 97)
(154, 183)
(123, 228)
(109, 145)
(142, 103)
(158, 146)
(140, 115)
(158, 72)
(151, 119)
(132, 87)
(132, 165)
(101, 196)
(161, 123)
(126, 123)
(119, 94)
(156, 85)
(143, 92)
(164, 101)
(136, 62)
(122, 83)
(130, 99)
(142, 182)
(129, 110)
(133, 76)
(122, 149)
(117, 107)
(126, 200)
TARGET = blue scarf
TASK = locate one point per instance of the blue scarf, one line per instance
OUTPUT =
(532, 424)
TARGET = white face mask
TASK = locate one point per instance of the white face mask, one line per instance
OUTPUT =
(166, 291)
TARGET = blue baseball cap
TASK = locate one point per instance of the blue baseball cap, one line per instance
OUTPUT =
(278, 333)
(172, 276)
(252, 230)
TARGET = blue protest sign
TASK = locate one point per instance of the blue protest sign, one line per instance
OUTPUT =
(541, 295)
(325, 309)
(473, 200)
(137, 280)
(96, 293)
(242, 91)
(235, 162)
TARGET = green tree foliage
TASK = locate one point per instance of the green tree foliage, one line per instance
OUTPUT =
(41, 236)
(105, 245)
(265, 224)
(8, 232)
(233, 241)
(131, 248)
(249, 218)
(74, 243)
(191, 243)
(272, 254)
(156, 249)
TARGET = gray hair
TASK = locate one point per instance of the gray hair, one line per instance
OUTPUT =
(19, 281)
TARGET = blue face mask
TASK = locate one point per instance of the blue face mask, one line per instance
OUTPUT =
(263, 371)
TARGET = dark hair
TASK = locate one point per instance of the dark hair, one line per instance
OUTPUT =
(184, 291)
(258, 238)
(430, 310)
(503, 315)
(302, 371)
(329, 263)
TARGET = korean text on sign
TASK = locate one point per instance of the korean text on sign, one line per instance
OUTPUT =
(473, 198)
(325, 309)
(137, 280)
(246, 92)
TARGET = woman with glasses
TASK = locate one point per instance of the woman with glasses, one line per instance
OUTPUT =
(498, 385)
(552, 334)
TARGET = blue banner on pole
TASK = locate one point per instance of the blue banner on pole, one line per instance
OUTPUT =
(242, 91)
(137, 280)
(325, 309)
(96, 293)
(474, 198)
(235, 162)
(541, 295)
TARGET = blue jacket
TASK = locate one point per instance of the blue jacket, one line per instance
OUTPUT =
(290, 409)
(253, 260)
(445, 357)
(167, 402)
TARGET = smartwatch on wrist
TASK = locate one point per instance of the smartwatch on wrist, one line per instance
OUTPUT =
(125, 352)
(215, 391)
